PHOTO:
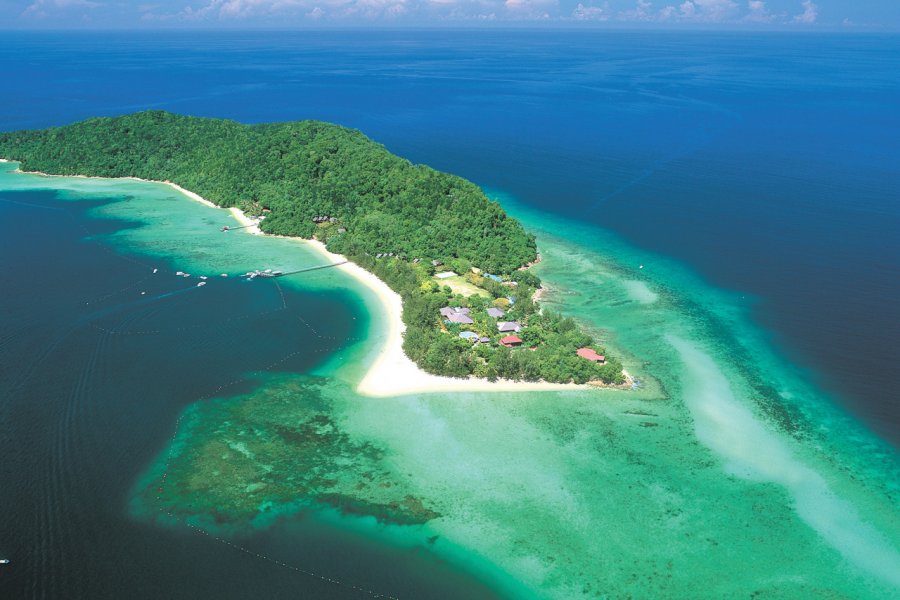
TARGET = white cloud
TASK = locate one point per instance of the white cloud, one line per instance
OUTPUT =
(710, 11)
(591, 13)
(810, 13)
(667, 13)
(530, 9)
(686, 12)
(41, 8)
(758, 12)
(311, 9)
(643, 11)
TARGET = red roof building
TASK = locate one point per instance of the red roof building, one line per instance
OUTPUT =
(511, 340)
(589, 354)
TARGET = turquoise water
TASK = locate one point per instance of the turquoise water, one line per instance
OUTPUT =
(101, 356)
(714, 459)
(767, 163)
(741, 466)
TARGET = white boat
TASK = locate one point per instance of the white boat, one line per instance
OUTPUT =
(224, 275)
(179, 273)
(201, 283)
(155, 270)
(4, 561)
(185, 274)
(204, 277)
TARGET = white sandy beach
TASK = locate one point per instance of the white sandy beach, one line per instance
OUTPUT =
(392, 373)
(187, 193)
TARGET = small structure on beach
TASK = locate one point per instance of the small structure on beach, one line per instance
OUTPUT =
(507, 326)
(484, 340)
(591, 355)
(510, 341)
(495, 312)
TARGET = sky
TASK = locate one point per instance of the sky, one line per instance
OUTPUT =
(674, 14)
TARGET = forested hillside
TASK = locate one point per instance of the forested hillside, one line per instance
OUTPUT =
(317, 180)
(298, 170)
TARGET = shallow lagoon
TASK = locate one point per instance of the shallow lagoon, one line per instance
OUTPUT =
(724, 472)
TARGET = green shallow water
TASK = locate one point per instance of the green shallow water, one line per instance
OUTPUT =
(725, 475)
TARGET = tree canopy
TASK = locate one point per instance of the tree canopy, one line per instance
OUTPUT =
(315, 179)
(299, 171)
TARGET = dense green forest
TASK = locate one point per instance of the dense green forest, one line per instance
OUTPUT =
(299, 170)
(390, 216)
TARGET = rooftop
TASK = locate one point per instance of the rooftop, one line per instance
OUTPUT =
(591, 355)
(508, 326)
(460, 318)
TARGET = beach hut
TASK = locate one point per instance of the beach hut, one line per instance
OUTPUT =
(510, 341)
(591, 355)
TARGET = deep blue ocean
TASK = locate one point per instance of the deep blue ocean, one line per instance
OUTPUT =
(768, 164)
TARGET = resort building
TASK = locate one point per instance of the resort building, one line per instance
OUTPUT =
(454, 310)
(457, 315)
(591, 355)
(468, 335)
(495, 312)
(460, 319)
(510, 341)
(507, 326)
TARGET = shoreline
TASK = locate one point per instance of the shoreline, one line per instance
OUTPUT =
(188, 193)
(391, 373)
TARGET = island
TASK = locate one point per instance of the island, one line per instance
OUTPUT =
(457, 260)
